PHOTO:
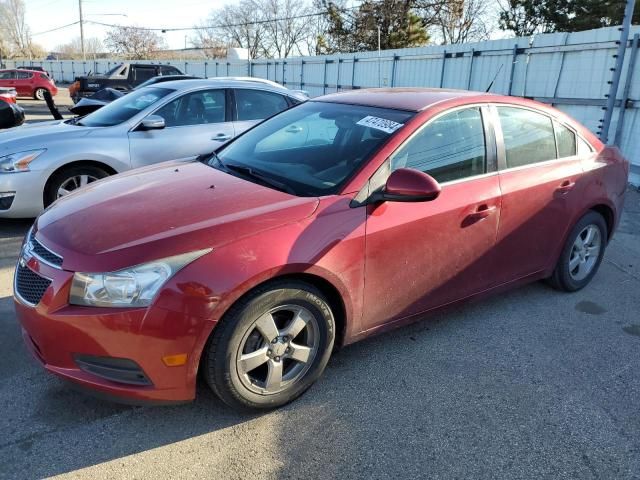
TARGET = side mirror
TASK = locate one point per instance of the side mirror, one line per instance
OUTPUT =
(152, 122)
(409, 185)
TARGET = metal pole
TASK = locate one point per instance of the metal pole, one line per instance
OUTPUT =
(617, 70)
(627, 89)
(444, 59)
(379, 79)
(84, 55)
(473, 54)
(513, 67)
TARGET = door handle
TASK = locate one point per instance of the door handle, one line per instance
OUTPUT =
(565, 187)
(483, 211)
(221, 137)
(293, 129)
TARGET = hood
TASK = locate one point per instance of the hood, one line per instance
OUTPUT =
(38, 135)
(160, 211)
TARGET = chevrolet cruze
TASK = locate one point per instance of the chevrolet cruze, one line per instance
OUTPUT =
(337, 219)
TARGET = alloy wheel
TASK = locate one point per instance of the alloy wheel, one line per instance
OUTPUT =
(278, 349)
(73, 183)
(585, 252)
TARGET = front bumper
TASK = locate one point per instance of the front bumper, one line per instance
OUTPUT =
(58, 334)
(28, 199)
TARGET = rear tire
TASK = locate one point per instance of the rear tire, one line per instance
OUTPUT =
(71, 179)
(581, 255)
(39, 93)
(270, 347)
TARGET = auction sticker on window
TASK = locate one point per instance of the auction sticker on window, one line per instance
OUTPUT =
(378, 123)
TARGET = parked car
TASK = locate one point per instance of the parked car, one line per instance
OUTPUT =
(34, 69)
(8, 95)
(28, 83)
(102, 97)
(177, 120)
(123, 77)
(11, 115)
(248, 267)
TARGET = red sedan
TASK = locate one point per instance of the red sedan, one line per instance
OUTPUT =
(337, 219)
(28, 83)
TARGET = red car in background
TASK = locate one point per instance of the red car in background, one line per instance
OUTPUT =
(8, 95)
(28, 83)
(336, 219)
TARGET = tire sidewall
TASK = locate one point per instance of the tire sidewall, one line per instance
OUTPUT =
(59, 178)
(227, 351)
(591, 218)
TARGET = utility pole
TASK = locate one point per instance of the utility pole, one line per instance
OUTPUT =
(617, 71)
(84, 55)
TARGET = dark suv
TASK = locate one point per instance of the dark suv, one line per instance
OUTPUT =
(123, 77)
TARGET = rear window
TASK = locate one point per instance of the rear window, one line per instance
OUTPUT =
(528, 136)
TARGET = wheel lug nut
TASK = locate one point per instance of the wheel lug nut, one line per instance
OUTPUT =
(277, 359)
(275, 340)
(269, 352)
(288, 350)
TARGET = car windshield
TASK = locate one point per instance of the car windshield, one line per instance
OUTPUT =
(114, 70)
(311, 149)
(124, 108)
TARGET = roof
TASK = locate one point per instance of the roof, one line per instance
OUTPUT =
(188, 84)
(413, 99)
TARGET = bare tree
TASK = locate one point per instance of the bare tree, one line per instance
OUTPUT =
(462, 21)
(15, 31)
(240, 26)
(73, 50)
(134, 43)
(287, 29)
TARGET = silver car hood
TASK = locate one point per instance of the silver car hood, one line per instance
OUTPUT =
(39, 135)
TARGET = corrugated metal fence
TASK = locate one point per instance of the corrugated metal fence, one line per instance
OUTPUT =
(570, 70)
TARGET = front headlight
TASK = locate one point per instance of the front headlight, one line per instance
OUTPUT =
(131, 287)
(19, 162)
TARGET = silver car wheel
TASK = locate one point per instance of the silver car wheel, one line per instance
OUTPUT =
(40, 93)
(585, 252)
(278, 349)
(73, 183)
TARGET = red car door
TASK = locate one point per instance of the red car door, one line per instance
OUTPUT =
(24, 83)
(540, 181)
(423, 255)
(8, 78)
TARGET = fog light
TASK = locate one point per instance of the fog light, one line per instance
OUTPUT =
(175, 360)
(6, 200)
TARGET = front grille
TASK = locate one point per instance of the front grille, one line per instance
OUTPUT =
(29, 285)
(44, 253)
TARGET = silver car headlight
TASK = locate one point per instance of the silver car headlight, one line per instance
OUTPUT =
(19, 162)
(130, 287)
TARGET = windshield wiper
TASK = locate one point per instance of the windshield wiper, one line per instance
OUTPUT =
(251, 173)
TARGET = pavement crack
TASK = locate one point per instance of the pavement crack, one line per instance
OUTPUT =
(622, 269)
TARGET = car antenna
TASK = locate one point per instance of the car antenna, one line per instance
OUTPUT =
(494, 78)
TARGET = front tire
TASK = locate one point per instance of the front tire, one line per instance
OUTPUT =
(39, 93)
(270, 347)
(582, 254)
(69, 179)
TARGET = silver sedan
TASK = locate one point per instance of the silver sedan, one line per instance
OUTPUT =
(174, 120)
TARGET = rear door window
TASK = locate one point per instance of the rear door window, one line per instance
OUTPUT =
(142, 74)
(258, 104)
(566, 140)
(528, 136)
(24, 75)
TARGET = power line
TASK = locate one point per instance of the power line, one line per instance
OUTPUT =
(204, 27)
(57, 28)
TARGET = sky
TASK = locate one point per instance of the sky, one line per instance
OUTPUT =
(43, 15)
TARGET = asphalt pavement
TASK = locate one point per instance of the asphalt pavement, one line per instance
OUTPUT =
(532, 383)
